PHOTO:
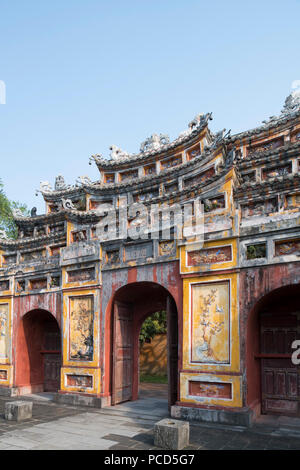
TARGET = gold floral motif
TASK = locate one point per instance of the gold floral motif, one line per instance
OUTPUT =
(210, 323)
(81, 328)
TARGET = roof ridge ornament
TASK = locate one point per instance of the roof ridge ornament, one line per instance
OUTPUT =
(67, 204)
(292, 102)
(33, 212)
(154, 142)
(17, 213)
(193, 125)
(117, 153)
(60, 183)
(84, 180)
(217, 138)
(3, 235)
(45, 187)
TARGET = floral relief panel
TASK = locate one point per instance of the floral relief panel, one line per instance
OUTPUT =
(81, 328)
(3, 330)
(209, 256)
(210, 322)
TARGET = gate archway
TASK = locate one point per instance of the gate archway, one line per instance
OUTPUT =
(132, 304)
(38, 353)
(272, 378)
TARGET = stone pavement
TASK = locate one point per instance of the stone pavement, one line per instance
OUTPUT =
(130, 426)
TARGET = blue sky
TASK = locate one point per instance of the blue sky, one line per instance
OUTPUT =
(81, 75)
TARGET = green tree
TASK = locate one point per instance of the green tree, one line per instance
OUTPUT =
(153, 325)
(7, 222)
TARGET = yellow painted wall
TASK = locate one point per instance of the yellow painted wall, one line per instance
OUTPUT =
(153, 356)
(81, 367)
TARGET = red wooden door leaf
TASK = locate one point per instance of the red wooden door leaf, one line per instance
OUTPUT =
(122, 353)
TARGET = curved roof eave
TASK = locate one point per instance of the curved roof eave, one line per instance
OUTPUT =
(104, 163)
(278, 121)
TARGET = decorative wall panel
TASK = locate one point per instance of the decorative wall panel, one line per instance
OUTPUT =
(210, 389)
(211, 255)
(74, 380)
(4, 322)
(287, 247)
(87, 274)
(4, 285)
(210, 320)
(3, 374)
(81, 328)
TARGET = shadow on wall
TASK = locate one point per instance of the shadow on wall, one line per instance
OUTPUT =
(153, 356)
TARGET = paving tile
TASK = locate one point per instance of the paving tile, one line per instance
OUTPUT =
(118, 447)
(18, 442)
(118, 438)
(191, 447)
(146, 438)
(99, 444)
(130, 426)
(142, 426)
(27, 434)
(47, 446)
(127, 432)
(6, 447)
(140, 446)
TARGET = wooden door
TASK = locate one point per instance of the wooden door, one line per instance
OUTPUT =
(279, 376)
(172, 340)
(122, 353)
(51, 372)
(52, 361)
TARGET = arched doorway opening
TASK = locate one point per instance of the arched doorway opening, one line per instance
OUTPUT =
(272, 378)
(38, 353)
(153, 350)
(132, 304)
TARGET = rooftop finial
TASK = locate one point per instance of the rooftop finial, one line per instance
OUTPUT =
(155, 142)
(60, 183)
(292, 102)
(117, 153)
(194, 124)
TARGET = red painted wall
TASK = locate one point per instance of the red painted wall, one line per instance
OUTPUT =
(32, 315)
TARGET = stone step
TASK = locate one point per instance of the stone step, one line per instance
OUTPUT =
(141, 414)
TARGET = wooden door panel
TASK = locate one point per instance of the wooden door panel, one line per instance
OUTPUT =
(269, 382)
(284, 407)
(52, 361)
(51, 372)
(280, 384)
(268, 341)
(279, 377)
(290, 337)
(122, 353)
(292, 386)
(52, 341)
(280, 340)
